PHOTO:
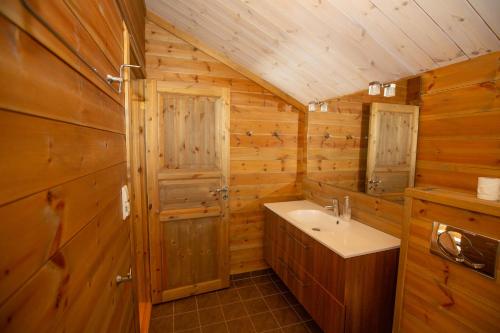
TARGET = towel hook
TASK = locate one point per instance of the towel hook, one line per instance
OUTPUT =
(110, 78)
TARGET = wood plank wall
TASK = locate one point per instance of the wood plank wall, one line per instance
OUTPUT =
(340, 160)
(459, 131)
(264, 168)
(63, 162)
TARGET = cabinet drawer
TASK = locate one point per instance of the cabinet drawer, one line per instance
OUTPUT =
(300, 282)
(329, 270)
(300, 247)
(326, 310)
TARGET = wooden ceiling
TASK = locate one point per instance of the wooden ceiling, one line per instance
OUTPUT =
(319, 49)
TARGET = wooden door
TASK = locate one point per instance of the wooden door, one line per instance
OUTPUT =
(392, 146)
(187, 170)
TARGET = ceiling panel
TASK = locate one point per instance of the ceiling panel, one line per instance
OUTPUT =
(319, 49)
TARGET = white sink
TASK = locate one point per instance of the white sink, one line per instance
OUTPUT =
(317, 220)
(346, 238)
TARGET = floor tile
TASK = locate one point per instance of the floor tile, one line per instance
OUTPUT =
(313, 327)
(215, 328)
(303, 314)
(244, 282)
(256, 305)
(191, 330)
(262, 279)
(241, 276)
(207, 300)
(186, 321)
(280, 285)
(228, 296)
(276, 301)
(264, 322)
(164, 309)
(234, 310)
(162, 325)
(249, 292)
(242, 325)
(242, 308)
(185, 305)
(296, 328)
(286, 316)
(211, 315)
(266, 271)
(268, 288)
(291, 299)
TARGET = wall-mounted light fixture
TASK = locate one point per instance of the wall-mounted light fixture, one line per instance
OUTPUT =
(390, 90)
(324, 107)
(313, 105)
(374, 88)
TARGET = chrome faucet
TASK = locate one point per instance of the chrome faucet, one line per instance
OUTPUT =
(334, 207)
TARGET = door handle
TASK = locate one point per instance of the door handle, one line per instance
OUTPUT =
(224, 190)
(124, 278)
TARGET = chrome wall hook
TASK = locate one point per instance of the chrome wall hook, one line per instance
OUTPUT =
(111, 79)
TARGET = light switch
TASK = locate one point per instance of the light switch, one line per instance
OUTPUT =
(125, 202)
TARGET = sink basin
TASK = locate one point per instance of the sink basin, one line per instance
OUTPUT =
(317, 220)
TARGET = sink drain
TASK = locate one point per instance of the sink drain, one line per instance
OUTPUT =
(316, 229)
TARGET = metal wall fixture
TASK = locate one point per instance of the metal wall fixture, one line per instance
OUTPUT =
(124, 278)
(276, 134)
(110, 78)
(476, 252)
(249, 133)
(323, 105)
(374, 89)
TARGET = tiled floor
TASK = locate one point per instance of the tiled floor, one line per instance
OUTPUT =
(256, 302)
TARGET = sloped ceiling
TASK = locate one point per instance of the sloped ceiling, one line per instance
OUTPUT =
(319, 49)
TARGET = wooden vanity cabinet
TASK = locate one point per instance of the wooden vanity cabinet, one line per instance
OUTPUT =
(341, 295)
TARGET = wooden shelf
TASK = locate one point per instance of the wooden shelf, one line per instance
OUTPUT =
(449, 197)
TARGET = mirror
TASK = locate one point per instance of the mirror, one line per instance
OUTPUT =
(373, 151)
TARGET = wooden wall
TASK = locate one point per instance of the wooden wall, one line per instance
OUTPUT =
(436, 295)
(459, 130)
(264, 168)
(63, 162)
(341, 159)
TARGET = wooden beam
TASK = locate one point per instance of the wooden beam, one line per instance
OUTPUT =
(224, 59)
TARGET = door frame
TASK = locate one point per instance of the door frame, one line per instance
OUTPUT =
(153, 89)
(373, 135)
